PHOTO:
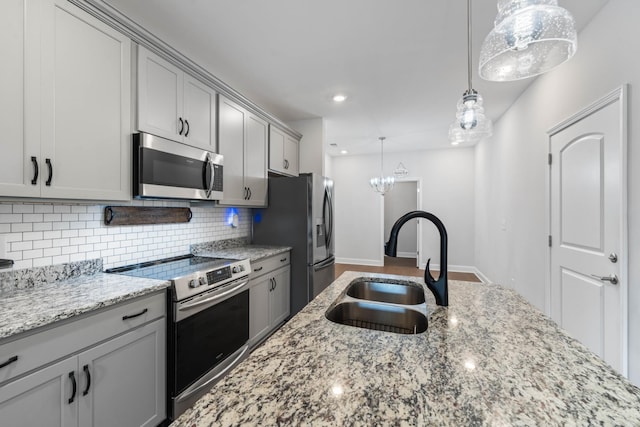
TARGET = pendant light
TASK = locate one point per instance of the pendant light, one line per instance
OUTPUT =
(530, 37)
(382, 184)
(470, 125)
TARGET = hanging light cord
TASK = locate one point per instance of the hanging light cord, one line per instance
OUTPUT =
(469, 59)
(381, 155)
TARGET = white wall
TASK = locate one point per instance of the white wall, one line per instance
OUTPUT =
(403, 199)
(311, 146)
(39, 234)
(447, 192)
(511, 168)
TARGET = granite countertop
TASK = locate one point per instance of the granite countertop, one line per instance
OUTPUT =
(25, 308)
(490, 358)
(253, 252)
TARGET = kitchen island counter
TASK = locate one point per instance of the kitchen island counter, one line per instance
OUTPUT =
(490, 358)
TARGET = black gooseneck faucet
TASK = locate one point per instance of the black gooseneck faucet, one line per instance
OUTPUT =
(438, 287)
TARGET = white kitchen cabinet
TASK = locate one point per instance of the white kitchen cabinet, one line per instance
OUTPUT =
(268, 296)
(68, 99)
(243, 143)
(174, 105)
(283, 152)
(42, 398)
(117, 381)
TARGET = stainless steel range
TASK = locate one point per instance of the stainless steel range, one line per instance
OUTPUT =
(208, 325)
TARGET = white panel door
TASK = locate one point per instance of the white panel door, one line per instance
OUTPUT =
(199, 114)
(276, 150)
(160, 94)
(44, 398)
(86, 131)
(20, 142)
(587, 278)
(123, 380)
(255, 160)
(291, 156)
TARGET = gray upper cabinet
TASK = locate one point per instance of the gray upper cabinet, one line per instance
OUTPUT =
(68, 74)
(174, 105)
(283, 152)
(243, 143)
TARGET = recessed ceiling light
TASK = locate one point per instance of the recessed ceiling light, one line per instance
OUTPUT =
(344, 152)
(339, 98)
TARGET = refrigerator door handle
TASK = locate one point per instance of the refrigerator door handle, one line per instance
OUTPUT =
(324, 264)
(327, 222)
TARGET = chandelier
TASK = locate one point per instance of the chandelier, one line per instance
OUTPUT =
(530, 37)
(382, 184)
(470, 125)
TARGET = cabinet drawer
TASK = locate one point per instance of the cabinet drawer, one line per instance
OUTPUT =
(269, 264)
(73, 335)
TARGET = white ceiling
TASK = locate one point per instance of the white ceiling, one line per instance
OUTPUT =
(402, 64)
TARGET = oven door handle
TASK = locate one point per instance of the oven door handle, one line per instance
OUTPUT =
(213, 298)
(196, 387)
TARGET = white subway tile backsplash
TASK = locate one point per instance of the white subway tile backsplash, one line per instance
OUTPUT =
(47, 233)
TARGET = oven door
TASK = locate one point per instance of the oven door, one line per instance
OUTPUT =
(208, 341)
(168, 169)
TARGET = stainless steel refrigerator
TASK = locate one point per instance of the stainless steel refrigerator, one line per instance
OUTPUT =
(300, 215)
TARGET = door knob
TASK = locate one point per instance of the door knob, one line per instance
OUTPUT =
(611, 278)
(613, 257)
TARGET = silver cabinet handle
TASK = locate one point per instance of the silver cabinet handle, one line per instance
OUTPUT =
(613, 257)
(611, 278)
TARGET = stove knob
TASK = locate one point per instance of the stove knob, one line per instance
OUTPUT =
(203, 281)
(193, 283)
(237, 269)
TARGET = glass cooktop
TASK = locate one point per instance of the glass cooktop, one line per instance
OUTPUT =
(171, 268)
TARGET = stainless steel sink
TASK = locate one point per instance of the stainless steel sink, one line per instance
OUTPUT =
(394, 293)
(377, 316)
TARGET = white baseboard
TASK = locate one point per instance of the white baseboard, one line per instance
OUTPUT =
(481, 276)
(406, 255)
(359, 261)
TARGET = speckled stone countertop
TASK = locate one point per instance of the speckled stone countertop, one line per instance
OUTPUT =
(490, 358)
(42, 302)
(237, 249)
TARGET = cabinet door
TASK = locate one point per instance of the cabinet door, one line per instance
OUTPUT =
(231, 134)
(123, 380)
(199, 114)
(291, 156)
(20, 141)
(259, 313)
(160, 94)
(255, 160)
(86, 93)
(279, 298)
(42, 398)
(276, 150)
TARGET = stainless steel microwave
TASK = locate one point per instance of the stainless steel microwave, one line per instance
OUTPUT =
(164, 169)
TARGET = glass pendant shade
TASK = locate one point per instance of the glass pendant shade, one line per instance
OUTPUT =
(471, 125)
(530, 37)
(382, 184)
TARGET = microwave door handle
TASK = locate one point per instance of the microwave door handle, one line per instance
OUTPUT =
(209, 164)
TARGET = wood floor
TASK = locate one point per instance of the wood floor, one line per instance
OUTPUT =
(404, 267)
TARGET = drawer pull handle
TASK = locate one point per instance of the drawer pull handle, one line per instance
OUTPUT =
(75, 387)
(9, 361)
(257, 269)
(283, 260)
(88, 375)
(131, 316)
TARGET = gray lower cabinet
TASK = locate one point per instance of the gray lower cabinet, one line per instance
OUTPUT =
(119, 382)
(268, 297)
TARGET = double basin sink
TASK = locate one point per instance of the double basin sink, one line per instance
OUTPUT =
(381, 304)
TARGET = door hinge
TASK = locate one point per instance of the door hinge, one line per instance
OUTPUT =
(550, 240)
(550, 158)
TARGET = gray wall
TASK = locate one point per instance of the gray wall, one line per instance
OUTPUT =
(510, 229)
(402, 199)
